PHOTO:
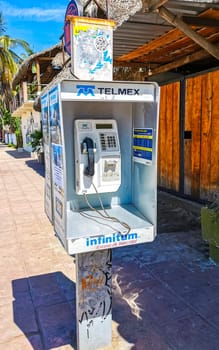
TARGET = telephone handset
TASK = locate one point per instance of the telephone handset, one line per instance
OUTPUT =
(89, 148)
(97, 156)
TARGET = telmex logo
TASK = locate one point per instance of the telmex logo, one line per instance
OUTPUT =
(90, 90)
(85, 90)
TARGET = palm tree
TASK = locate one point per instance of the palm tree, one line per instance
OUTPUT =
(9, 61)
(2, 29)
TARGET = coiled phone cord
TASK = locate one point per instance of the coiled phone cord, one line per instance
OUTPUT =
(106, 216)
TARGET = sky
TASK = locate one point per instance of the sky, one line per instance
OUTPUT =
(39, 23)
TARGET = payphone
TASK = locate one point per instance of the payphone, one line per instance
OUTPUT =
(103, 147)
(97, 156)
(104, 184)
(104, 163)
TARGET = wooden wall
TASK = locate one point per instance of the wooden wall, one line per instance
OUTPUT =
(168, 142)
(201, 152)
(199, 168)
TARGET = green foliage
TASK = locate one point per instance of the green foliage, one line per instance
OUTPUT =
(11, 145)
(6, 119)
(9, 61)
(37, 141)
(18, 132)
(10, 123)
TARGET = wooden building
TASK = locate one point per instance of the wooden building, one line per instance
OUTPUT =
(188, 161)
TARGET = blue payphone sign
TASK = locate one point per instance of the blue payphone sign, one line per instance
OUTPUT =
(143, 145)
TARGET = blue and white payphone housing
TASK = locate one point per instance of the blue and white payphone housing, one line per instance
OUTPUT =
(103, 147)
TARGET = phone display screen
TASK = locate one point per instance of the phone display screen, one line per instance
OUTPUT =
(104, 126)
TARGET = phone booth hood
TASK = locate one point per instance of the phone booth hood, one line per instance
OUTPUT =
(109, 130)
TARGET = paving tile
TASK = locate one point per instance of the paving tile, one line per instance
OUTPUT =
(201, 295)
(140, 332)
(31, 242)
(150, 339)
(12, 190)
(210, 312)
(124, 270)
(24, 312)
(8, 179)
(23, 228)
(57, 323)
(208, 273)
(192, 333)
(7, 286)
(41, 262)
(23, 208)
(11, 265)
(180, 278)
(205, 300)
(23, 343)
(45, 290)
(7, 224)
(29, 218)
(4, 203)
(69, 270)
(38, 266)
(4, 211)
(20, 286)
(7, 237)
(17, 318)
(161, 305)
(66, 284)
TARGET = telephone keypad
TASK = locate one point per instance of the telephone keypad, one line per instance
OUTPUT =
(111, 140)
(108, 142)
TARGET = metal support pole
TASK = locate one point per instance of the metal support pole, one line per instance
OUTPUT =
(94, 299)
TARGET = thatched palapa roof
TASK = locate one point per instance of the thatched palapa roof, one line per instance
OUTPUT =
(50, 61)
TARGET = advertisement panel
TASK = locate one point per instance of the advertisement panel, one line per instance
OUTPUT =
(92, 56)
(46, 145)
(57, 162)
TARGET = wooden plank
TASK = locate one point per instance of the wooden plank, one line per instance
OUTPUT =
(206, 87)
(169, 137)
(188, 143)
(175, 136)
(180, 62)
(214, 169)
(166, 39)
(201, 22)
(38, 76)
(188, 103)
(175, 48)
(161, 141)
(196, 115)
(187, 166)
(178, 23)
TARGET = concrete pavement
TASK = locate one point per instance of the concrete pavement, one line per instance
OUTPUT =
(165, 294)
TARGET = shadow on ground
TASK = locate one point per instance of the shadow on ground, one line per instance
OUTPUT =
(44, 309)
(165, 297)
(166, 294)
(175, 214)
(36, 166)
(18, 155)
(32, 163)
